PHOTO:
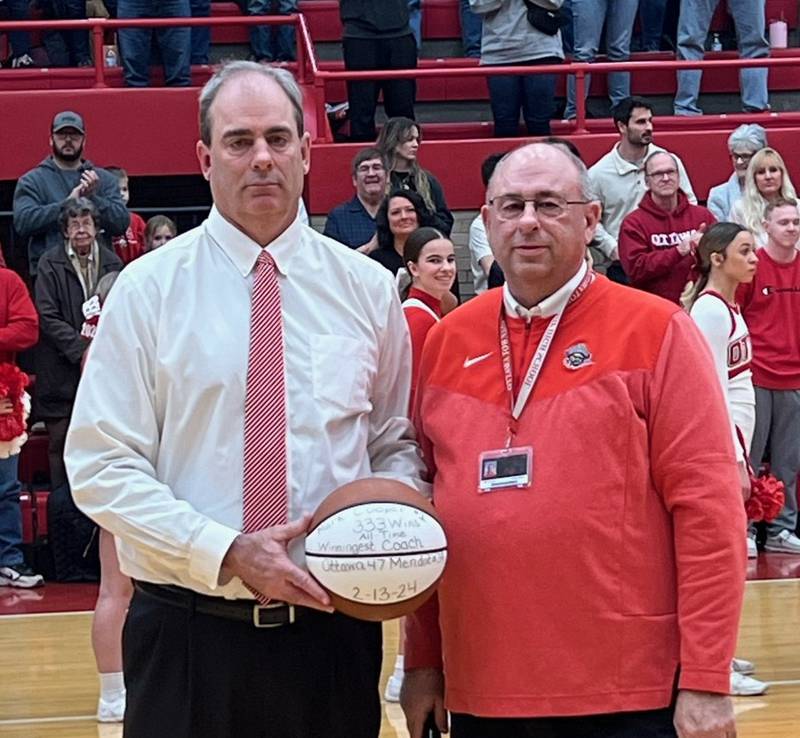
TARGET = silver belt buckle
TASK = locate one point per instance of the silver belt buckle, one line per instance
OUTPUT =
(258, 609)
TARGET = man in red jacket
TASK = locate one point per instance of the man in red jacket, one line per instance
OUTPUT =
(579, 598)
(19, 330)
(657, 239)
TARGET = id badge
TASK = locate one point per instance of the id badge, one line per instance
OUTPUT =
(505, 468)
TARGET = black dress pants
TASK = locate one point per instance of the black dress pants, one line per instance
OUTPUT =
(398, 94)
(192, 675)
(645, 724)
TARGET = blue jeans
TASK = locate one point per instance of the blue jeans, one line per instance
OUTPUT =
(20, 40)
(533, 93)
(76, 42)
(261, 37)
(651, 19)
(201, 36)
(587, 19)
(10, 515)
(173, 43)
(567, 30)
(471, 30)
(693, 25)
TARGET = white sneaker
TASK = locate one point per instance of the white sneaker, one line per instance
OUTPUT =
(111, 711)
(746, 686)
(752, 549)
(784, 542)
(743, 666)
(392, 693)
(20, 575)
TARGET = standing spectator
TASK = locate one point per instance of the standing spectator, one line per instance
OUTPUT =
(400, 214)
(651, 22)
(510, 39)
(415, 21)
(771, 309)
(399, 141)
(693, 25)
(766, 181)
(131, 245)
(41, 193)
(471, 30)
(618, 177)
(158, 231)
(174, 43)
(658, 239)
(76, 42)
(377, 35)
(742, 145)
(19, 10)
(588, 18)
(272, 43)
(19, 329)
(67, 278)
(481, 258)
(200, 35)
(353, 222)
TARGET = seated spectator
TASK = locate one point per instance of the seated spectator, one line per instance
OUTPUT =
(131, 244)
(399, 215)
(766, 181)
(399, 141)
(158, 231)
(66, 175)
(19, 330)
(67, 277)
(471, 30)
(174, 43)
(588, 19)
(509, 39)
(353, 222)
(481, 257)
(377, 35)
(693, 26)
(742, 144)
(272, 43)
(658, 239)
(20, 41)
(618, 179)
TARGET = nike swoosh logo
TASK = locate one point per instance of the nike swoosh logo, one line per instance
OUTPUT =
(469, 362)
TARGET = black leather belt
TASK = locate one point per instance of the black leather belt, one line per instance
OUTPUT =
(273, 615)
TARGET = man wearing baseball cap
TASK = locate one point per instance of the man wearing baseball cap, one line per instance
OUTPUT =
(63, 176)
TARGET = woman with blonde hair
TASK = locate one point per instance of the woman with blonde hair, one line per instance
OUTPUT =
(767, 180)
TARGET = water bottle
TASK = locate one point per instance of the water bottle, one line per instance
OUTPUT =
(716, 43)
(111, 57)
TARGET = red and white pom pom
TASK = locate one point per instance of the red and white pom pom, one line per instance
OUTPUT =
(767, 497)
(14, 425)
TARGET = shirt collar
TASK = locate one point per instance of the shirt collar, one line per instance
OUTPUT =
(72, 254)
(243, 251)
(624, 166)
(547, 307)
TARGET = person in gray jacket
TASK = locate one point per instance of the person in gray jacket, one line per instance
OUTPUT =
(742, 145)
(65, 175)
(516, 33)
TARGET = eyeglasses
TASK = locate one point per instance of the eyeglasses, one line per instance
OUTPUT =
(367, 168)
(74, 135)
(511, 207)
(744, 158)
(662, 173)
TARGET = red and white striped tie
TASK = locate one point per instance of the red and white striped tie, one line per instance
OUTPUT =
(265, 496)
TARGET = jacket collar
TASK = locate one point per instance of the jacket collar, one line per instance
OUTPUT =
(550, 305)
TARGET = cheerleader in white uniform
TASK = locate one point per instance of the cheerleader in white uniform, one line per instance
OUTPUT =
(725, 258)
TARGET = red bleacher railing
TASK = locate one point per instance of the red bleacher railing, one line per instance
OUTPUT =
(308, 72)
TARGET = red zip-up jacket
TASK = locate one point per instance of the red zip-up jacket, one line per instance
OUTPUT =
(19, 321)
(648, 241)
(624, 561)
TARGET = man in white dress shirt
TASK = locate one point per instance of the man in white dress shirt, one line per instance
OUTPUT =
(155, 451)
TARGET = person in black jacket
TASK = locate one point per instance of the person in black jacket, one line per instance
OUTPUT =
(399, 141)
(67, 278)
(376, 35)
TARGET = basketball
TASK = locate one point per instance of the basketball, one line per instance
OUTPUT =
(377, 547)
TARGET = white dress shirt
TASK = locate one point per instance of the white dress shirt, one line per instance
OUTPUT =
(155, 448)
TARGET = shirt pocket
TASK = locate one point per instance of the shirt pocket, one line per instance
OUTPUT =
(340, 372)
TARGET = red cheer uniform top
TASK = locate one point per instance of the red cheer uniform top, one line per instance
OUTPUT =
(771, 307)
(590, 590)
(422, 311)
(131, 246)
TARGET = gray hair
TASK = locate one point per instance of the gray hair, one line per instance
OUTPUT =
(104, 285)
(77, 207)
(661, 153)
(585, 183)
(227, 71)
(749, 136)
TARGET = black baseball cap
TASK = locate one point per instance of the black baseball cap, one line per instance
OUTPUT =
(68, 119)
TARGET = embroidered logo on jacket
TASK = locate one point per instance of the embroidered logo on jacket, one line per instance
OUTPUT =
(577, 356)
